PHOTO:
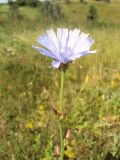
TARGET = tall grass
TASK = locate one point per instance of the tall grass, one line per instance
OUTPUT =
(29, 88)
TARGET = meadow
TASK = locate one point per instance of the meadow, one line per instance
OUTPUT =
(29, 87)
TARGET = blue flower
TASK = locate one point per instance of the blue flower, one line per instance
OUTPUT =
(64, 46)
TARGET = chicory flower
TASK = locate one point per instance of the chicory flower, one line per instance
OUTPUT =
(65, 45)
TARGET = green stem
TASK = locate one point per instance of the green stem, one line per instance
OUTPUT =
(61, 118)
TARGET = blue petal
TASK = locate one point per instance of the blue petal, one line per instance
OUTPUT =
(62, 36)
(73, 38)
(65, 46)
(52, 36)
(80, 43)
(45, 52)
(47, 43)
(87, 44)
(55, 64)
(75, 56)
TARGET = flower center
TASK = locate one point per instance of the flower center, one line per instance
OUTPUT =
(65, 54)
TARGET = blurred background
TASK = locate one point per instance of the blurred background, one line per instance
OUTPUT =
(29, 87)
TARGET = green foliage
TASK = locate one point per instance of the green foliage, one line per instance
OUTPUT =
(11, 2)
(32, 3)
(92, 14)
(57, 12)
(49, 150)
(108, 1)
(52, 10)
(22, 2)
(47, 8)
(81, 1)
(13, 10)
(67, 1)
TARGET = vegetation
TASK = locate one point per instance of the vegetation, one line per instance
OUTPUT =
(67, 1)
(32, 3)
(81, 1)
(92, 15)
(29, 87)
(108, 1)
(51, 10)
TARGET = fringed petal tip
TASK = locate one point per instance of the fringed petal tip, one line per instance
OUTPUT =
(40, 38)
(35, 47)
(64, 45)
(38, 48)
(94, 51)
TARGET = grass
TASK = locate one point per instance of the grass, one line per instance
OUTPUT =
(29, 87)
